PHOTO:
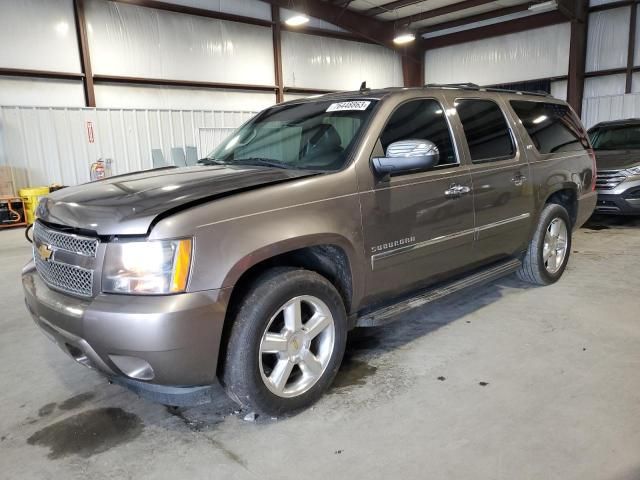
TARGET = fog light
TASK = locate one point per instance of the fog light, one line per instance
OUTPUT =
(633, 194)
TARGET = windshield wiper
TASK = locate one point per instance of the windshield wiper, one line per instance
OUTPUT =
(210, 161)
(261, 162)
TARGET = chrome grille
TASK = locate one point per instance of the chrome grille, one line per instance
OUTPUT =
(609, 179)
(63, 276)
(67, 261)
(65, 241)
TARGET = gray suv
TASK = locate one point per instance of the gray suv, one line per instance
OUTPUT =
(617, 147)
(315, 217)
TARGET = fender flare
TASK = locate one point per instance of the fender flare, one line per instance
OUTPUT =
(296, 243)
(567, 185)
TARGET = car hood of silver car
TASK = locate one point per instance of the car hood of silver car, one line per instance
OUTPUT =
(617, 159)
(129, 204)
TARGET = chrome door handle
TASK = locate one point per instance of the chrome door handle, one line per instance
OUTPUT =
(518, 180)
(455, 191)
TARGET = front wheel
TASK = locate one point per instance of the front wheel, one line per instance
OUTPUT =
(548, 253)
(287, 342)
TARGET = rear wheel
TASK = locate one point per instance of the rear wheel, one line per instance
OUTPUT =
(548, 252)
(286, 343)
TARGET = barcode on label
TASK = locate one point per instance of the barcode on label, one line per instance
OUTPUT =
(356, 105)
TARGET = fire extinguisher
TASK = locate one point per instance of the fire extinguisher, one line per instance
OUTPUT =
(100, 169)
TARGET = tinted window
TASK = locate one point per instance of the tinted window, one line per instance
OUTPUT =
(421, 120)
(552, 127)
(616, 137)
(486, 130)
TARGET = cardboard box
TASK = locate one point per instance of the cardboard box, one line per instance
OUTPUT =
(6, 181)
(6, 189)
(6, 174)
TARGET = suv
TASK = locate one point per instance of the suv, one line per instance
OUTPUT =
(316, 216)
(617, 147)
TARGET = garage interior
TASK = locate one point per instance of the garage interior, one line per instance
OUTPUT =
(502, 381)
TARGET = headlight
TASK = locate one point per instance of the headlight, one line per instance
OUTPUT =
(634, 170)
(147, 267)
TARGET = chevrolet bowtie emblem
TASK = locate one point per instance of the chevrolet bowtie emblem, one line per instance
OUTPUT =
(45, 252)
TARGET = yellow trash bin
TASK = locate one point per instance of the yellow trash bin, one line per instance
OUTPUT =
(31, 197)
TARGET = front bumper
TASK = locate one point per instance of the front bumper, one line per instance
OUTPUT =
(623, 200)
(170, 340)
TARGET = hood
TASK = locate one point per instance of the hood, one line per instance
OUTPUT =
(129, 204)
(617, 159)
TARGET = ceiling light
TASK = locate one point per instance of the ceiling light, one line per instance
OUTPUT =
(543, 6)
(540, 119)
(297, 20)
(405, 37)
(62, 28)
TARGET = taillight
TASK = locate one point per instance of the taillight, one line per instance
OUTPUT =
(592, 154)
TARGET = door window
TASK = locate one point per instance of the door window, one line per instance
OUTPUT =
(552, 127)
(486, 130)
(421, 120)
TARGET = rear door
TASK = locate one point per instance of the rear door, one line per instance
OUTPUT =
(502, 187)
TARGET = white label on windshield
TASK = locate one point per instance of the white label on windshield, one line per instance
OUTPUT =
(339, 107)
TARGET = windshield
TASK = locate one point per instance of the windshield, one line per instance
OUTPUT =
(621, 137)
(306, 136)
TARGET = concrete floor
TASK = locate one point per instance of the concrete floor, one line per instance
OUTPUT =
(502, 382)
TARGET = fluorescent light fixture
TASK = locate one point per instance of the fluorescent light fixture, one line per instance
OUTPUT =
(296, 20)
(62, 28)
(405, 37)
(540, 119)
(543, 6)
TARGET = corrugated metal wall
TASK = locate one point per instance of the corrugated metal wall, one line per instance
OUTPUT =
(515, 57)
(611, 107)
(58, 145)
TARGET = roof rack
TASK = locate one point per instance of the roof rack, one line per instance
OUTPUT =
(475, 87)
(459, 86)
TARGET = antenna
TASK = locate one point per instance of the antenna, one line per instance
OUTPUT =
(363, 86)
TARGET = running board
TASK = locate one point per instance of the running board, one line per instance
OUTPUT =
(386, 314)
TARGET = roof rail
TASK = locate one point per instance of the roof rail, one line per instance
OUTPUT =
(461, 86)
(473, 86)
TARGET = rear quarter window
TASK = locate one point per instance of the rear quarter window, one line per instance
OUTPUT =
(552, 127)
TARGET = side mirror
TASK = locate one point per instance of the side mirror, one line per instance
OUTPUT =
(406, 156)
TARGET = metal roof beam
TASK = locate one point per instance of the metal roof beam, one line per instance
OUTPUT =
(503, 28)
(573, 10)
(369, 28)
(437, 12)
(390, 7)
(501, 12)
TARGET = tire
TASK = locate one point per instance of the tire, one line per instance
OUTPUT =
(535, 267)
(250, 377)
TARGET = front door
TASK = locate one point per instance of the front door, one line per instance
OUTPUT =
(418, 227)
(502, 187)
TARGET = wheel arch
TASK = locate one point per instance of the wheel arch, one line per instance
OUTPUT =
(314, 252)
(566, 195)
(328, 255)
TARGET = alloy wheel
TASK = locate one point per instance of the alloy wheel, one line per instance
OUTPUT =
(296, 346)
(555, 245)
